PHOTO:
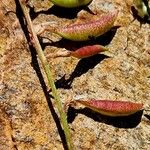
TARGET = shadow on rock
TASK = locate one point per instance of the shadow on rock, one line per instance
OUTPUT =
(147, 116)
(130, 121)
(69, 13)
(81, 68)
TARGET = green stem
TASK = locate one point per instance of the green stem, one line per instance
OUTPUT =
(63, 117)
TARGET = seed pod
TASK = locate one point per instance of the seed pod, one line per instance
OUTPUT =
(88, 51)
(142, 8)
(82, 52)
(83, 32)
(70, 3)
(112, 108)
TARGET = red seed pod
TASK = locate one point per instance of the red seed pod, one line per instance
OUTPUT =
(83, 32)
(82, 52)
(88, 51)
(112, 108)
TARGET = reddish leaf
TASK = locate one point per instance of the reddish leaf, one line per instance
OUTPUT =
(112, 108)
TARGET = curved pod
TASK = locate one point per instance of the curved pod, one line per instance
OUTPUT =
(142, 8)
(88, 51)
(70, 3)
(112, 108)
(83, 32)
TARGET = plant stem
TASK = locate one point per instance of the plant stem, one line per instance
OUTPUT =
(63, 117)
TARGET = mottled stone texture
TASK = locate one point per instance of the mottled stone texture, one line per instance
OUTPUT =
(27, 118)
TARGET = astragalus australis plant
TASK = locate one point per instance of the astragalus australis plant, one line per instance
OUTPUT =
(35, 41)
(79, 32)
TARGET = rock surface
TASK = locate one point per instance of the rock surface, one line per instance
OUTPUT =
(27, 119)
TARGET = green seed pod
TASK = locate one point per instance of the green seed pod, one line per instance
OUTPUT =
(70, 3)
(83, 32)
(142, 9)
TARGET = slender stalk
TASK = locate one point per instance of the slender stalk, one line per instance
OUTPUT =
(63, 117)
